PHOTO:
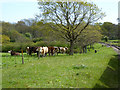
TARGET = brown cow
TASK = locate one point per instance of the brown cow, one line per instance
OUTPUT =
(14, 53)
(51, 50)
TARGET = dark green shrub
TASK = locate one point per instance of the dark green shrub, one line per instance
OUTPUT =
(15, 46)
(7, 47)
(41, 43)
(37, 39)
(76, 50)
(57, 43)
(106, 39)
(18, 46)
(52, 43)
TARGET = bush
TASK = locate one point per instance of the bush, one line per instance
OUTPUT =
(57, 43)
(41, 43)
(106, 39)
(52, 43)
(5, 39)
(37, 39)
(7, 47)
(18, 46)
(76, 50)
(15, 47)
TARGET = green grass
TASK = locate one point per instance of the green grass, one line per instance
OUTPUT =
(110, 77)
(62, 71)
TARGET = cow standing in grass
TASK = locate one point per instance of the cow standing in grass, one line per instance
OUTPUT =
(42, 50)
(51, 50)
(63, 50)
(31, 50)
(56, 50)
(14, 53)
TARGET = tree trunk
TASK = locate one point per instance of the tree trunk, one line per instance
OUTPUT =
(83, 49)
(22, 57)
(71, 47)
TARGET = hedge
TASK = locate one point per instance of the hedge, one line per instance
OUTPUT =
(15, 46)
(18, 46)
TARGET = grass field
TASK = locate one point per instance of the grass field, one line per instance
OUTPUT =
(62, 71)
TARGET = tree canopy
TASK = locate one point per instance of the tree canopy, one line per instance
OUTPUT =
(110, 30)
(68, 16)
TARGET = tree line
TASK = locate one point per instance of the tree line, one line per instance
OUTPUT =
(69, 24)
(37, 32)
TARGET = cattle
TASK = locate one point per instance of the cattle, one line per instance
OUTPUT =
(51, 50)
(56, 50)
(42, 50)
(63, 50)
(66, 49)
(14, 53)
(31, 50)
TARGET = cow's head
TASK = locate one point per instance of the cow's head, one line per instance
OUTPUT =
(66, 48)
(10, 51)
(40, 49)
(28, 47)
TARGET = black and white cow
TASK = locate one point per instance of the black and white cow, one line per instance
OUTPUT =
(30, 50)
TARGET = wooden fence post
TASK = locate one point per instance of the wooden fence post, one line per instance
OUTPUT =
(15, 59)
(22, 57)
(38, 53)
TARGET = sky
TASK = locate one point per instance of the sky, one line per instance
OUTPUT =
(15, 10)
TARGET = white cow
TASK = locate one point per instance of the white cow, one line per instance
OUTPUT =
(62, 49)
(43, 50)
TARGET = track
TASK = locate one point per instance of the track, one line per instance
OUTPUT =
(116, 48)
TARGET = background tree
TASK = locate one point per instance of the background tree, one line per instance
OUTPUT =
(28, 35)
(68, 16)
(0, 39)
(110, 30)
(106, 39)
(22, 28)
(5, 39)
(88, 37)
(7, 27)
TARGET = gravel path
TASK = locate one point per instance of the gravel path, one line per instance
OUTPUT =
(116, 49)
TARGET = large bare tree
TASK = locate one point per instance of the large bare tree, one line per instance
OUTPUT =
(67, 16)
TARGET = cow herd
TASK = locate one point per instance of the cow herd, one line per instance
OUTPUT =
(42, 51)
(46, 50)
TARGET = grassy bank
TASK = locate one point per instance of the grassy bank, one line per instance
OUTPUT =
(110, 77)
(62, 71)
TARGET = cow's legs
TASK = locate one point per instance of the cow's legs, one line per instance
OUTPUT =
(37, 53)
(45, 54)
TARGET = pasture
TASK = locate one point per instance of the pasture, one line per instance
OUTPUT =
(62, 71)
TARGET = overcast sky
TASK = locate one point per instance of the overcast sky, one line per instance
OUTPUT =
(15, 10)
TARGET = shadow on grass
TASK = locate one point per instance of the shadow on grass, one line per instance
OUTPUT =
(110, 77)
